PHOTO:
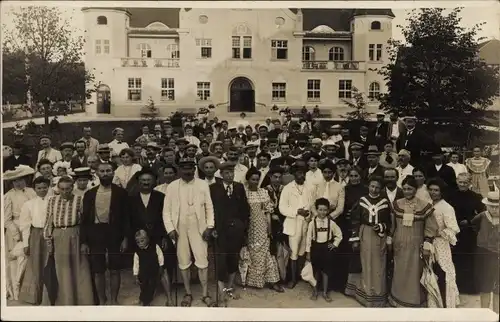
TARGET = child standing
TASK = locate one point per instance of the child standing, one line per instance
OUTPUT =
(323, 237)
(147, 261)
(487, 258)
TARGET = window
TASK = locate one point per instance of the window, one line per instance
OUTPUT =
(167, 89)
(374, 91)
(336, 53)
(205, 47)
(173, 51)
(313, 89)
(145, 51)
(102, 20)
(375, 52)
(279, 92)
(101, 46)
(375, 25)
(203, 91)
(237, 49)
(279, 49)
(345, 88)
(308, 53)
(134, 89)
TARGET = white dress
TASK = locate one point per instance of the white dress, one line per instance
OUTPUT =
(123, 174)
(448, 229)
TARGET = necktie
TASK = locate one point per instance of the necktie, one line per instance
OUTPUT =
(228, 190)
(251, 163)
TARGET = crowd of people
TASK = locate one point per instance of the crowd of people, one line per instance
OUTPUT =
(382, 215)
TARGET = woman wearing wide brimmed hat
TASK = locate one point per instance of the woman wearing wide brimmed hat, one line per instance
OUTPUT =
(487, 252)
(14, 200)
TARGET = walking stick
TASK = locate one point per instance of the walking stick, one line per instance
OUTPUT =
(214, 236)
(174, 273)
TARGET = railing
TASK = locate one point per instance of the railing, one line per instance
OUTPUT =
(150, 62)
(331, 65)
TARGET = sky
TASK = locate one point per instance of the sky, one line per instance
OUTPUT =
(474, 12)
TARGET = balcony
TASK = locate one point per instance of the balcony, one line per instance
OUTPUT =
(346, 65)
(150, 62)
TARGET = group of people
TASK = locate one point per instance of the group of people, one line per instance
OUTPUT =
(377, 219)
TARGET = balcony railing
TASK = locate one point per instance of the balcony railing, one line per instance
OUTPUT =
(331, 65)
(150, 62)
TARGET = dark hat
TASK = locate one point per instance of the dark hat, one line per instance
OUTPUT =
(310, 154)
(363, 127)
(274, 170)
(327, 164)
(343, 162)
(83, 172)
(302, 137)
(67, 145)
(191, 146)
(210, 158)
(153, 145)
(181, 140)
(103, 148)
(372, 150)
(228, 165)
(299, 165)
(18, 145)
(357, 145)
(44, 136)
(187, 163)
(145, 170)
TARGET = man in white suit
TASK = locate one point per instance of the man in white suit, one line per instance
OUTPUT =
(188, 215)
(295, 204)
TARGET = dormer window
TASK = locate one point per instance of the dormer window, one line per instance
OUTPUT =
(375, 25)
(102, 20)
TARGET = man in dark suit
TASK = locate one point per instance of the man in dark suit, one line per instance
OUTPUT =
(232, 216)
(224, 133)
(146, 213)
(17, 157)
(414, 141)
(374, 168)
(357, 156)
(80, 159)
(344, 151)
(105, 229)
(152, 162)
(441, 170)
(285, 158)
(104, 154)
(391, 191)
(380, 132)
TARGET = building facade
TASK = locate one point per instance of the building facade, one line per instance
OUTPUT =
(235, 59)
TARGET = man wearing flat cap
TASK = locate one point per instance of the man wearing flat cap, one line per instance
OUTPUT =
(374, 168)
(232, 216)
(358, 158)
(152, 161)
(67, 151)
(441, 170)
(295, 204)
(104, 154)
(188, 215)
(16, 158)
(181, 144)
(47, 152)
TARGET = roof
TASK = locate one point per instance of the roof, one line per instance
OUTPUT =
(489, 51)
(142, 17)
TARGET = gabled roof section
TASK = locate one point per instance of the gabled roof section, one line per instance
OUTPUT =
(143, 17)
(337, 19)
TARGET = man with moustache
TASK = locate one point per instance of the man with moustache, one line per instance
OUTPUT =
(285, 158)
(379, 133)
(374, 168)
(104, 230)
(47, 152)
(414, 141)
(146, 213)
(404, 167)
(188, 215)
(344, 151)
(391, 190)
(232, 215)
(80, 159)
(240, 170)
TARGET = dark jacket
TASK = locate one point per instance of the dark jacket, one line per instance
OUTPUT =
(149, 218)
(76, 163)
(11, 162)
(446, 173)
(119, 215)
(379, 171)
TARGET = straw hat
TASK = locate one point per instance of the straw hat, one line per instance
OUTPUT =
(492, 199)
(215, 160)
(19, 172)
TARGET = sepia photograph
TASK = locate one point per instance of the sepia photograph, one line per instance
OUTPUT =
(250, 155)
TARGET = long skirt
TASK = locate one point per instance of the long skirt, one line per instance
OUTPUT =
(32, 285)
(446, 273)
(487, 274)
(371, 290)
(463, 259)
(15, 265)
(72, 269)
(342, 258)
(406, 290)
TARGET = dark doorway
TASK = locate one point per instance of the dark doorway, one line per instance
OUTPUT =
(241, 95)
(103, 99)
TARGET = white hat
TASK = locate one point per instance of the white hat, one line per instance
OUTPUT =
(308, 275)
(316, 141)
(19, 172)
(330, 143)
(62, 164)
(492, 199)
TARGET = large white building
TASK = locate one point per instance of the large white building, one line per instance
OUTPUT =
(236, 59)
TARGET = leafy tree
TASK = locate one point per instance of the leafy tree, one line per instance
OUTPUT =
(358, 104)
(14, 86)
(436, 74)
(54, 69)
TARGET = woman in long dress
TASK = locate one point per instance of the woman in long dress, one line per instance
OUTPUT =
(263, 266)
(447, 231)
(62, 235)
(348, 280)
(478, 168)
(467, 205)
(422, 192)
(414, 229)
(371, 221)
(126, 171)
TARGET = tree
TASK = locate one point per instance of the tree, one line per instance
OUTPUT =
(437, 74)
(14, 86)
(54, 69)
(358, 104)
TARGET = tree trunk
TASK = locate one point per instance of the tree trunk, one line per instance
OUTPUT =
(46, 112)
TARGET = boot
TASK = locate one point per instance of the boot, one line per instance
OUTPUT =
(293, 269)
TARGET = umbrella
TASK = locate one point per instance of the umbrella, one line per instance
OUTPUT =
(282, 257)
(429, 282)
(244, 264)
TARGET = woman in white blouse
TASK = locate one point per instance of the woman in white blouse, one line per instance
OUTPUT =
(127, 169)
(447, 231)
(422, 192)
(457, 167)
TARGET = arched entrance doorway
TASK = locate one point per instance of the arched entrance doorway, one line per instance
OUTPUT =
(103, 99)
(241, 95)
